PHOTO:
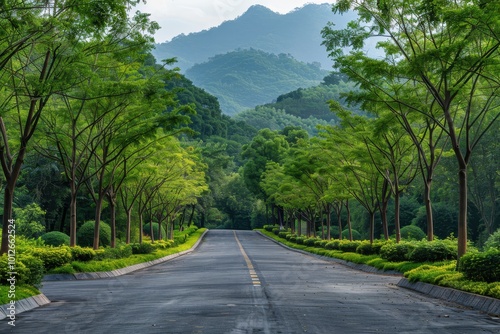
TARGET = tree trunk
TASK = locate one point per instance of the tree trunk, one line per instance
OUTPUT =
(462, 213)
(72, 215)
(328, 223)
(428, 210)
(140, 228)
(129, 223)
(349, 225)
(372, 226)
(112, 204)
(98, 209)
(7, 216)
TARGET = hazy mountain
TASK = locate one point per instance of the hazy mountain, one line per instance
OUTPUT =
(297, 33)
(244, 79)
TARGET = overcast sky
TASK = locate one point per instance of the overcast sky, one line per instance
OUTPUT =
(186, 16)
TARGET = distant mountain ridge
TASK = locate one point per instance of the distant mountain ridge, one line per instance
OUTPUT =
(297, 33)
(243, 79)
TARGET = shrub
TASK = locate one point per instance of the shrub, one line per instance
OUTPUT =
(481, 266)
(53, 257)
(268, 228)
(310, 242)
(396, 252)
(283, 234)
(82, 254)
(333, 245)
(276, 230)
(290, 235)
(367, 248)
(349, 246)
(493, 241)
(114, 253)
(34, 269)
(144, 248)
(412, 232)
(300, 240)
(85, 234)
(147, 230)
(320, 243)
(162, 244)
(55, 238)
(293, 239)
(432, 251)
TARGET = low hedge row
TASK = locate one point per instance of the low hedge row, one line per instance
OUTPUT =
(475, 266)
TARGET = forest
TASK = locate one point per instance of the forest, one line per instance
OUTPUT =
(93, 129)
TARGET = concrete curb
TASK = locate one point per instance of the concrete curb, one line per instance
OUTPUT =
(485, 304)
(30, 303)
(24, 305)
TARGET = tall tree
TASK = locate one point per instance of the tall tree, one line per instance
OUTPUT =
(449, 49)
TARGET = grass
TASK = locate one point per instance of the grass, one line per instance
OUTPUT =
(438, 273)
(25, 291)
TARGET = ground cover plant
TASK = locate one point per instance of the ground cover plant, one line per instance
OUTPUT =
(418, 260)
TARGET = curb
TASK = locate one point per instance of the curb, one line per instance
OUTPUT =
(24, 305)
(485, 304)
(31, 303)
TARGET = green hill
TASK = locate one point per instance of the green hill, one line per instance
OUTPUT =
(297, 33)
(244, 79)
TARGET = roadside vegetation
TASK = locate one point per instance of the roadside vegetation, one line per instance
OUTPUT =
(34, 259)
(425, 261)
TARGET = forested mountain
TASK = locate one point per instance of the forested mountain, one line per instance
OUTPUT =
(245, 78)
(297, 33)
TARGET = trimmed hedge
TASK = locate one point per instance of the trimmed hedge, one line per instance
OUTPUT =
(433, 251)
(349, 246)
(55, 238)
(82, 254)
(481, 266)
(412, 232)
(53, 257)
(29, 270)
(396, 252)
(144, 248)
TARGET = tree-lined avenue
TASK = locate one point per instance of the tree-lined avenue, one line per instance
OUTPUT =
(213, 290)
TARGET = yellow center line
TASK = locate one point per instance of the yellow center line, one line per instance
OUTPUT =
(253, 274)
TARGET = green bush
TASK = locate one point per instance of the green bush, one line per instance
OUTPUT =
(493, 241)
(367, 248)
(144, 248)
(290, 235)
(85, 234)
(310, 242)
(268, 228)
(396, 252)
(82, 254)
(163, 244)
(283, 234)
(333, 245)
(432, 251)
(53, 257)
(114, 253)
(29, 270)
(320, 243)
(481, 266)
(300, 240)
(56, 238)
(349, 246)
(412, 232)
(276, 230)
(293, 239)
(147, 231)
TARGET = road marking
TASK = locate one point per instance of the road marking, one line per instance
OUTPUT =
(253, 274)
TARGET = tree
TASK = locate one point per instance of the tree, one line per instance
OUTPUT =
(42, 48)
(449, 50)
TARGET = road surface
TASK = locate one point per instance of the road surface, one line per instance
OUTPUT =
(241, 282)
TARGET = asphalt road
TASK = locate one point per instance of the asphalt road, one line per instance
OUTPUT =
(240, 282)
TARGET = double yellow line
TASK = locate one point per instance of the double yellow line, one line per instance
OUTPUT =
(253, 274)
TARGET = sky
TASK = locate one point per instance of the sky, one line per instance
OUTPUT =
(186, 16)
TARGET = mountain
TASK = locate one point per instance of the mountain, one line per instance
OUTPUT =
(243, 79)
(297, 33)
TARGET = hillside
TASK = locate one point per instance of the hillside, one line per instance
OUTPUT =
(246, 78)
(297, 33)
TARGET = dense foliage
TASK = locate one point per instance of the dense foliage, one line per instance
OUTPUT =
(246, 78)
